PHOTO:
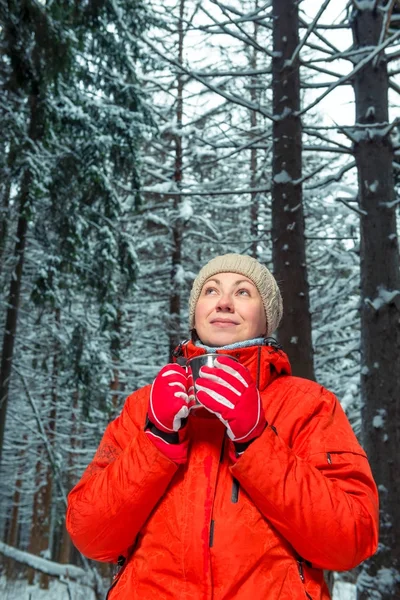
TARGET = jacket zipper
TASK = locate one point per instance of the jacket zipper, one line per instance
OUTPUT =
(235, 491)
(301, 573)
(117, 575)
(211, 539)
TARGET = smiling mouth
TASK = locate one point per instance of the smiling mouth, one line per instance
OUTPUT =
(223, 323)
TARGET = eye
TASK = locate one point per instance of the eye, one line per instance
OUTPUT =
(243, 292)
(209, 290)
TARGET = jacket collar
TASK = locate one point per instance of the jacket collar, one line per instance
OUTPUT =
(265, 363)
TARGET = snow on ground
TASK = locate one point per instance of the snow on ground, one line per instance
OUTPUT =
(58, 590)
(344, 591)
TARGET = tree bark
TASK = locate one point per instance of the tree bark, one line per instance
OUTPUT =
(380, 301)
(14, 524)
(289, 251)
(12, 310)
(5, 204)
(10, 331)
(254, 209)
(177, 230)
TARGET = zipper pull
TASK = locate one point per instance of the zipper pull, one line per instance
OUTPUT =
(301, 572)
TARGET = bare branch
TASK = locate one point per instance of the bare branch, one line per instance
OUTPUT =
(334, 177)
(314, 67)
(327, 149)
(208, 193)
(387, 10)
(315, 132)
(350, 75)
(243, 38)
(248, 73)
(359, 211)
(310, 29)
(235, 99)
(394, 86)
(322, 38)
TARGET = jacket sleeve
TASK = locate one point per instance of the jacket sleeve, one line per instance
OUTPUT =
(314, 484)
(120, 487)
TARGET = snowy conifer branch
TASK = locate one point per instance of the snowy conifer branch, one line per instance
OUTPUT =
(322, 38)
(210, 192)
(218, 90)
(243, 38)
(350, 75)
(334, 177)
(387, 10)
(247, 73)
(50, 454)
(307, 34)
(308, 148)
(394, 86)
(359, 211)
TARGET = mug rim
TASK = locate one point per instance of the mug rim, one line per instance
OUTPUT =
(216, 354)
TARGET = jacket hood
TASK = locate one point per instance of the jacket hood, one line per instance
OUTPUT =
(265, 362)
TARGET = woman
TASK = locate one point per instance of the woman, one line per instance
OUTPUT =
(247, 491)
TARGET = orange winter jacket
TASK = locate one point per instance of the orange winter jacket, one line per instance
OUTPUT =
(300, 499)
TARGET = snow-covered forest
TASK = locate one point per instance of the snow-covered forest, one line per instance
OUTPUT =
(138, 140)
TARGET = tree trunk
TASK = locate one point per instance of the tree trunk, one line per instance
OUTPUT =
(42, 514)
(254, 209)
(5, 204)
(13, 530)
(10, 331)
(115, 383)
(289, 253)
(380, 301)
(66, 549)
(177, 230)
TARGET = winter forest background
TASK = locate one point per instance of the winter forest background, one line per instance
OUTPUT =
(141, 138)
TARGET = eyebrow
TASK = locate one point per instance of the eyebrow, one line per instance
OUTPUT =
(239, 281)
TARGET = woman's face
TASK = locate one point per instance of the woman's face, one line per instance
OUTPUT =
(229, 310)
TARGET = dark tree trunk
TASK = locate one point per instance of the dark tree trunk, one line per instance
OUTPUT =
(42, 513)
(66, 548)
(177, 230)
(13, 531)
(5, 204)
(380, 302)
(12, 310)
(115, 383)
(35, 132)
(254, 209)
(289, 252)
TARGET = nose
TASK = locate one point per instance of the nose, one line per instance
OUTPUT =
(225, 303)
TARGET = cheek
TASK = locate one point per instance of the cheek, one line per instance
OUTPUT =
(200, 312)
(259, 320)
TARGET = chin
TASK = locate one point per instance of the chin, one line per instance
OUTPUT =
(223, 340)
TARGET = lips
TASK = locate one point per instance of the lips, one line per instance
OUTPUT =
(223, 322)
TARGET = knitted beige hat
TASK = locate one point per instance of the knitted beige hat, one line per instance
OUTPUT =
(255, 271)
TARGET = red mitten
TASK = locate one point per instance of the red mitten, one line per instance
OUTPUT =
(228, 391)
(169, 398)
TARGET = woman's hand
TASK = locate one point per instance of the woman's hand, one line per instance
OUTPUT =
(171, 399)
(228, 391)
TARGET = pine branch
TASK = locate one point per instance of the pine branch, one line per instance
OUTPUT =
(358, 67)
